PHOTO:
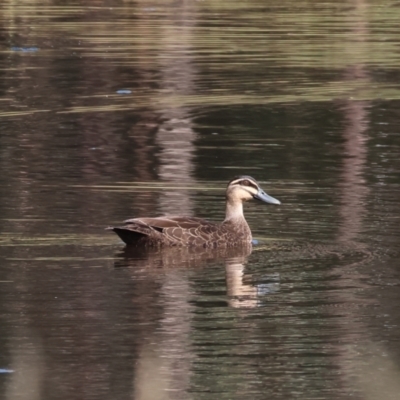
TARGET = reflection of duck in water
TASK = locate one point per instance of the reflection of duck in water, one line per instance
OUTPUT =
(151, 261)
(190, 231)
(154, 262)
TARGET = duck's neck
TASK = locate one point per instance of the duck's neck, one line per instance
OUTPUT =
(234, 211)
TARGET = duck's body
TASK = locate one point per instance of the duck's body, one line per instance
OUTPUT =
(183, 231)
(191, 231)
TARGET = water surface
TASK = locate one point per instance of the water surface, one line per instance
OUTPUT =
(121, 109)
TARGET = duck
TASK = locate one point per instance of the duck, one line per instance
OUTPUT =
(184, 231)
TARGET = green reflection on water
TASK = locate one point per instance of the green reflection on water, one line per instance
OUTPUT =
(258, 44)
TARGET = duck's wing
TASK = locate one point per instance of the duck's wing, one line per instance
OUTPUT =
(173, 231)
(168, 222)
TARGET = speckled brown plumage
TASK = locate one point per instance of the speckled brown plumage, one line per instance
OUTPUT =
(198, 232)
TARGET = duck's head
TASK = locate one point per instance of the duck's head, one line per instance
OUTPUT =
(244, 188)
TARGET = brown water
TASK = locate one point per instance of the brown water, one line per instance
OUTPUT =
(118, 109)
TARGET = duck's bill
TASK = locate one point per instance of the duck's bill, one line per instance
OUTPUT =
(261, 195)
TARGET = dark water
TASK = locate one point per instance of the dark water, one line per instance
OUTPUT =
(121, 109)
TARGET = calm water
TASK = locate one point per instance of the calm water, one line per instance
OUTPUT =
(122, 108)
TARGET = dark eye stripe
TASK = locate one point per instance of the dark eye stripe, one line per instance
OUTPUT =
(246, 182)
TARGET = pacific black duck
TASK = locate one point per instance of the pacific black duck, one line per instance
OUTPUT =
(191, 231)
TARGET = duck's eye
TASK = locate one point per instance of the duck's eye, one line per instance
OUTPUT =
(245, 183)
